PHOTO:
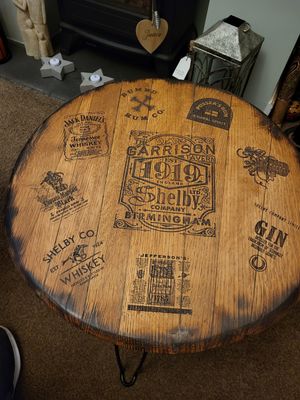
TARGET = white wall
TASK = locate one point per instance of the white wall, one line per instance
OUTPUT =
(8, 17)
(9, 20)
(278, 21)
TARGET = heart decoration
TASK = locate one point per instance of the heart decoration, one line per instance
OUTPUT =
(150, 37)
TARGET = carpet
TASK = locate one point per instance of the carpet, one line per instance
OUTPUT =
(60, 362)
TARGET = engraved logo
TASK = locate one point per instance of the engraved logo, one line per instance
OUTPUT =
(258, 263)
(211, 112)
(161, 284)
(143, 102)
(77, 255)
(76, 264)
(85, 136)
(262, 167)
(268, 240)
(57, 197)
(168, 184)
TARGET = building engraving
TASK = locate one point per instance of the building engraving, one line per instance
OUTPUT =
(161, 284)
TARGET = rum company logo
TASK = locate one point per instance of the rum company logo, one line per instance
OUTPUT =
(211, 112)
(168, 184)
(142, 104)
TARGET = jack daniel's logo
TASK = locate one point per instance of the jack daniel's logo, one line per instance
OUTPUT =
(168, 184)
(85, 136)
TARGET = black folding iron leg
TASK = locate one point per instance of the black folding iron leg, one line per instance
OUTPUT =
(123, 379)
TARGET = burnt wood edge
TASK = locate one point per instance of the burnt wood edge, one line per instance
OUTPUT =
(145, 344)
(265, 120)
(132, 343)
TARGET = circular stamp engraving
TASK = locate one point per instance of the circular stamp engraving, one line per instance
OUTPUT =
(258, 263)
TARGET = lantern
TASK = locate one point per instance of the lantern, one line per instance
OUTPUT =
(225, 54)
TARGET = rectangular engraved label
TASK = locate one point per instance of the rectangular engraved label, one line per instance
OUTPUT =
(161, 284)
(168, 184)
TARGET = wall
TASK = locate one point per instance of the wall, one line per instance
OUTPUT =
(8, 19)
(278, 22)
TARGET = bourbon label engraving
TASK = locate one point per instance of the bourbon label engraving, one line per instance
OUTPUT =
(85, 136)
(168, 184)
(211, 112)
(161, 284)
(76, 259)
(57, 197)
(262, 167)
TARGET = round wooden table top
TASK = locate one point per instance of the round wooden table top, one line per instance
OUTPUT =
(159, 215)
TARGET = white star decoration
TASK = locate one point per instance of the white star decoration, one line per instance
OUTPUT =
(91, 80)
(56, 67)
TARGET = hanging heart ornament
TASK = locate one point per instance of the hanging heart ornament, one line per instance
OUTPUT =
(149, 36)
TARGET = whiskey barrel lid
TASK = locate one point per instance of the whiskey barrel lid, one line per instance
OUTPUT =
(159, 215)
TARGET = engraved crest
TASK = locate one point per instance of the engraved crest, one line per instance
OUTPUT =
(211, 112)
(262, 167)
(168, 184)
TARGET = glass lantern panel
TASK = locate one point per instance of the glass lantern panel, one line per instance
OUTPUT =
(211, 71)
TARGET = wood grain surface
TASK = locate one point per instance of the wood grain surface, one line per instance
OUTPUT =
(159, 215)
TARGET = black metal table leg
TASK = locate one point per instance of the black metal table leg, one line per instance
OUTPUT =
(123, 379)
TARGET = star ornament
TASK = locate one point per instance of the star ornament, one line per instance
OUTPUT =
(56, 67)
(91, 80)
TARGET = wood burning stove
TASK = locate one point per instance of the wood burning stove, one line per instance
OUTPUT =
(111, 25)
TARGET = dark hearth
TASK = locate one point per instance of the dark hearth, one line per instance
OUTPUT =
(111, 25)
